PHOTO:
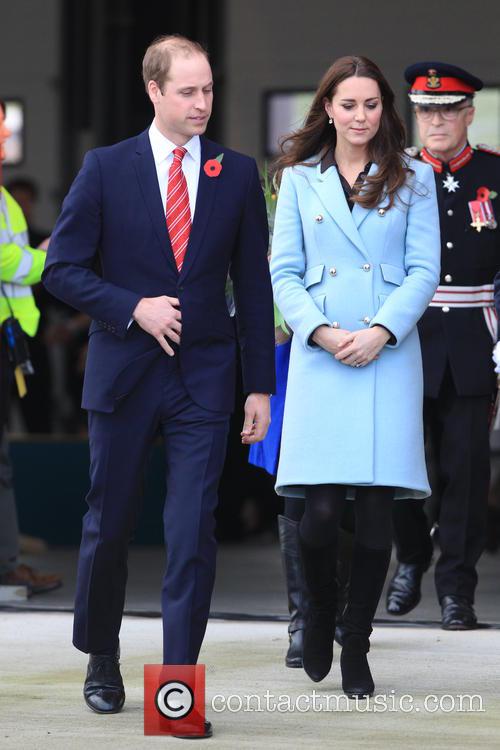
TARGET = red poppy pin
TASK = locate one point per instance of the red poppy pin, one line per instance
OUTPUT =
(213, 167)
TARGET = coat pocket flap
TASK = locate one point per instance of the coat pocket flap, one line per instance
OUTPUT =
(392, 274)
(313, 275)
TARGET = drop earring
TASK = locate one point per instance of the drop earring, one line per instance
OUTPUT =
(330, 121)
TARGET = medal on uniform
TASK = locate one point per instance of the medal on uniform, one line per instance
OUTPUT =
(451, 184)
(481, 210)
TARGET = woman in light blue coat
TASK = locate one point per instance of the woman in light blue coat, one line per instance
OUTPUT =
(355, 262)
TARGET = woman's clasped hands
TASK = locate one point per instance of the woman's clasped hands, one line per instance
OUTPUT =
(353, 348)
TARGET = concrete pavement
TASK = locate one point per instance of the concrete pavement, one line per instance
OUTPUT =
(41, 703)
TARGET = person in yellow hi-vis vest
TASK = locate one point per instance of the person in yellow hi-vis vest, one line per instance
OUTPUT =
(20, 266)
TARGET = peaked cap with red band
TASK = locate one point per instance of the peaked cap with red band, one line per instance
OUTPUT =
(439, 83)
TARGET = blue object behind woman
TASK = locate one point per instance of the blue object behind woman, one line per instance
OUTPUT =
(266, 453)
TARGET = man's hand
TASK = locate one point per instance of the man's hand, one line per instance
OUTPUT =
(331, 339)
(364, 347)
(160, 317)
(257, 418)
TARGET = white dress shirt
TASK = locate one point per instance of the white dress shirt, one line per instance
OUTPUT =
(163, 155)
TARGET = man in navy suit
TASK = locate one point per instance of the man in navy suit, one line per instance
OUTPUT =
(167, 214)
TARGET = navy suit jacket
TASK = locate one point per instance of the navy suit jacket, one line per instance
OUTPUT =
(110, 248)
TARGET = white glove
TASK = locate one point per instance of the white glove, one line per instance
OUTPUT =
(496, 357)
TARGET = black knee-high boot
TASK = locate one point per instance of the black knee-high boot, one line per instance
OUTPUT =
(368, 572)
(319, 566)
(345, 545)
(295, 586)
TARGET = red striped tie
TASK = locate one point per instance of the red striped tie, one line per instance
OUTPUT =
(178, 211)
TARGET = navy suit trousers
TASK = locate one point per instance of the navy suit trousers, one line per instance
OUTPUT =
(195, 445)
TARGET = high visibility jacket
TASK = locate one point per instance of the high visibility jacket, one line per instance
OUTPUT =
(20, 266)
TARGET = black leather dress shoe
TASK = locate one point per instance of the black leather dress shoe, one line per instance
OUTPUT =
(457, 613)
(103, 689)
(403, 593)
(208, 732)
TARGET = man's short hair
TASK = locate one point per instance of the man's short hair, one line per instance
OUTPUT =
(158, 57)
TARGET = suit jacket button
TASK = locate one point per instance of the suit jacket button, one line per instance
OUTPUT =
(335, 324)
(366, 266)
(333, 271)
(450, 212)
(449, 245)
(366, 319)
(445, 308)
(448, 278)
(318, 219)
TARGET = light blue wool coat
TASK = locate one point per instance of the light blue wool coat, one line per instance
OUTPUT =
(347, 425)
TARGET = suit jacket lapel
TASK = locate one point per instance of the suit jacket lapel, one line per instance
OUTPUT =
(148, 181)
(329, 190)
(359, 213)
(207, 189)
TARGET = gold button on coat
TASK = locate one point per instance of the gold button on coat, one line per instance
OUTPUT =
(381, 212)
(333, 271)
(366, 266)
(366, 319)
(318, 219)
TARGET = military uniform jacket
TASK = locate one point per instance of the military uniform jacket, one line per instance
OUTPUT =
(455, 333)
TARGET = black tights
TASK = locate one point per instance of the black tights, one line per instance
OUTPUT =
(293, 509)
(324, 507)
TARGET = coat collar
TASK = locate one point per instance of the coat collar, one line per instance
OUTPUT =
(207, 189)
(328, 187)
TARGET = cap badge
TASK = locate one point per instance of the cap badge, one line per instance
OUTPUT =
(433, 80)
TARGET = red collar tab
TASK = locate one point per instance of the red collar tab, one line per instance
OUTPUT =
(455, 164)
(462, 159)
(436, 164)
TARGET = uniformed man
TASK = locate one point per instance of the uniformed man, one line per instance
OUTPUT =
(457, 334)
(20, 266)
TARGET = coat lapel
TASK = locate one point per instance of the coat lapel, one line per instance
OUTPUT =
(207, 189)
(359, 213)
(329, 190)
(148, 180)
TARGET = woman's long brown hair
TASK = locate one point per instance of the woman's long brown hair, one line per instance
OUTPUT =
(317, 136)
